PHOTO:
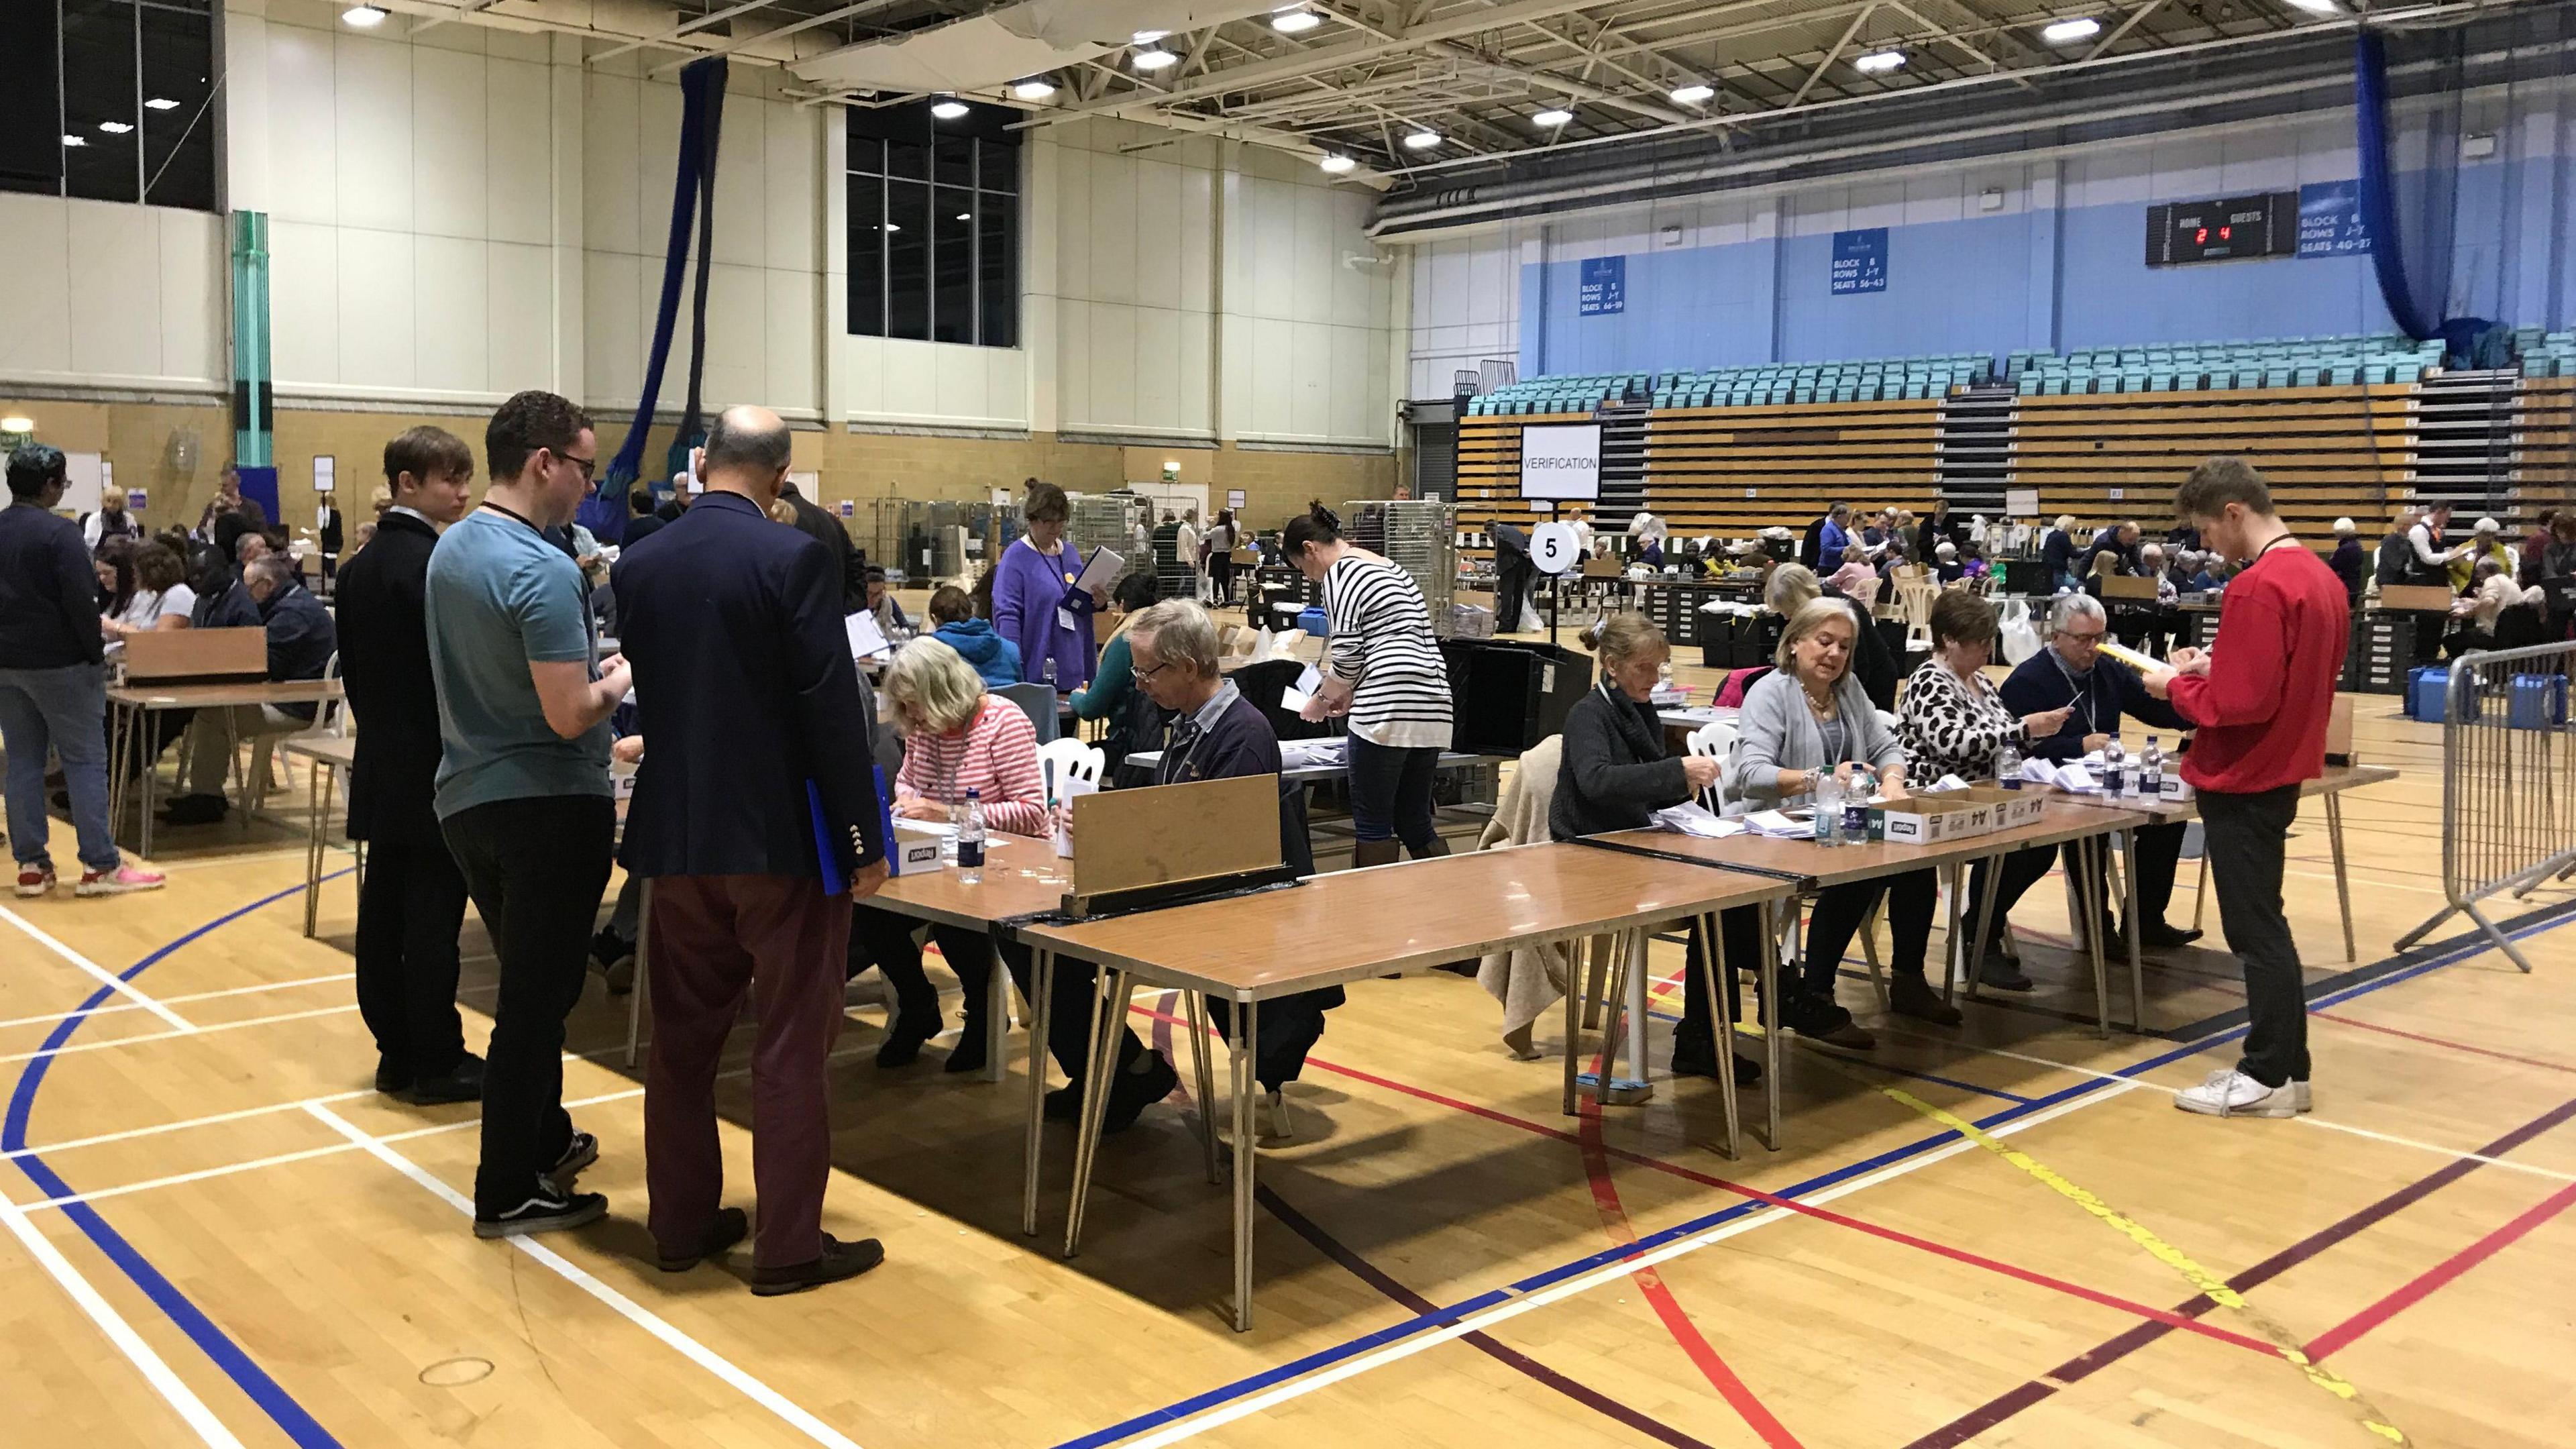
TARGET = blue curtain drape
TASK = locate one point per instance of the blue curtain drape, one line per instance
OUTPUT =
(2409, 220)
(702, 90)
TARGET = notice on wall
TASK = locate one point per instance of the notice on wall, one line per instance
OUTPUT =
(1604, 287)
(2330, 223)
(1234, 498)
(134, 500)
(1561, 462)
(1860, 261)
(2021, 503)
(322, 473)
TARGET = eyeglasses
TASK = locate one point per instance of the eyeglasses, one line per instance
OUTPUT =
(589, 466)
(2071, 637)
(1146, 676)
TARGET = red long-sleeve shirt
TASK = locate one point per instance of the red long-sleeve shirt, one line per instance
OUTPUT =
(2262, 708)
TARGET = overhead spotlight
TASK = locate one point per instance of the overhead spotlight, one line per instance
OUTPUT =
(965, 216)
(1693, 94)
(1879, 62)
(1154, 58)
(115, 128)
(1148, 37)
(160, 103)
(892, 227)
(2317, 7)
(1421, 140)
(2066, 31)
(1551, 118)
(72, 140)
(1296, 20)
(1336, 162)
(15, 424)
(365, 17)
(949, 109)
(1035, 88)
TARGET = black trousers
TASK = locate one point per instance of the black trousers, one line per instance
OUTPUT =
(1836, 917)
(536, 869)
(409, 909)
(1221, 573)
(1740, 935)
(1069, 1012)
(884, 939)
(2248, 836)
(1289, 1028)
(2159, 856)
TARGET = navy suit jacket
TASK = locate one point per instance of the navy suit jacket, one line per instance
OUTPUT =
(746, 692)
(2113, 689)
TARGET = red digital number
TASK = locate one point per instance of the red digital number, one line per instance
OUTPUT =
(2200, 237)
(2224, 232)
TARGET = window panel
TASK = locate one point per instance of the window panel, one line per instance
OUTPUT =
(998, 165)
(998, 269)
(31, 122)
(867, 155)
(952, 160)
(908, 260)
(867, 257)
(908, 160)
(178, 122)
(101, 138)
(953, 265)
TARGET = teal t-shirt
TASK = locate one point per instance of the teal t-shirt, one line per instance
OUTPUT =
(501, 596)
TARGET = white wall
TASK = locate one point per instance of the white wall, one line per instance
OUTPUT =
(113, 296)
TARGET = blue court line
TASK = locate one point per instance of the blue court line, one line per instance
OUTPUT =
(1875, 1066)
(248, 1376)
(2472, 945)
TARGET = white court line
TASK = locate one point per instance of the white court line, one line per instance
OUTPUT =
(2309, 1118)
(1617, 1271)
(635, 1313)
(180, 1126)
(50, 1018)
(96, 972)
(209, 1429)
(100, 1046)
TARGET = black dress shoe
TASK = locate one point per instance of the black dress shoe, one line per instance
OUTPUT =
(1133, 1092)
(970, 1053)
(2157, 936)
(392, 1079)
(840, 1260)
(1064, 1104)
(1999, 974)
(194, 810)
(460, 1083)
(731, 1226)
(1913, 996)
(903, 1044)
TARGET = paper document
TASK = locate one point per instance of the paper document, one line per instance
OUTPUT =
(866, 640)
(1101, 571)
(1293, 699)
(1074, 788)
(1773, 822)
(1694, 819)
(1309, 754)
(2071, 776)
(2132, 657)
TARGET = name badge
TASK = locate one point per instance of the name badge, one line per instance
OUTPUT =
(1064, 620)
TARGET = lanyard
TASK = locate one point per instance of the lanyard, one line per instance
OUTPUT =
(2083, 690)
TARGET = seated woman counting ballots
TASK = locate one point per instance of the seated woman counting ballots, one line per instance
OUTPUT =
(953, 623)
(1804, 721)
(1614, 774)
(1954, 722)
(957, 739)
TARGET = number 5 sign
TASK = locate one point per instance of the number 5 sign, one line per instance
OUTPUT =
(1554, 549)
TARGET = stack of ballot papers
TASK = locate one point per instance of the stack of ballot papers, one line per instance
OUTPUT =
(1773, 822)
(1295, 696)
(1310, 754)
(1695, 819)
(2074, 776)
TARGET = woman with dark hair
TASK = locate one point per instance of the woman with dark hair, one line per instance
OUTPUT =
(115, 565)
(1220, 543)
(1035, 603)
(1382, 669)
(161, 597)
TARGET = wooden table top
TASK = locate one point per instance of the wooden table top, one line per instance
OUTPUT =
(2066, 820)
(1355, 924)
(214, 696)
(1022, 877)
(2336, 780)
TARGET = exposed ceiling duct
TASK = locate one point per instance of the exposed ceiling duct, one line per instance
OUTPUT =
(1002, 45)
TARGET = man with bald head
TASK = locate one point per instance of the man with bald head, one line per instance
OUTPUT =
(756, 802)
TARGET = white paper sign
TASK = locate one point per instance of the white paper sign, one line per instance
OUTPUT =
(1554, 548)
(866, 640)
(322, 474)
(2021, 503)
(1561, 462)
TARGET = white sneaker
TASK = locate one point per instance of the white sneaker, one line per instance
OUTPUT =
(2231, 1093)
(2307, 1099)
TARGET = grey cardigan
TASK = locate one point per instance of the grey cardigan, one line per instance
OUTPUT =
(1777, 732)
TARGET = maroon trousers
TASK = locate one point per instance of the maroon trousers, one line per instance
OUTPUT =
(714, 937)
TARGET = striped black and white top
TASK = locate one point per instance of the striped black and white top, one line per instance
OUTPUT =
(1381, 642)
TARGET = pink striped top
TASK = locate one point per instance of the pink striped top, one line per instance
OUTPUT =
(997, 753)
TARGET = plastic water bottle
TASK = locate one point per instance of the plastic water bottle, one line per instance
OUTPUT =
(2151, 770)
(1829, 811)
(970, 841)
(2115, 768)
(1856, 805)
(2008, 766)
(1050, 671)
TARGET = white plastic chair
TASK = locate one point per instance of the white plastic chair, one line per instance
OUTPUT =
(1716, 738)
(1069, 759)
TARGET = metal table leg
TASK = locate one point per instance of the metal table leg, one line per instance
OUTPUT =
(997, 1017)
(314, 812)
(1950, 949)
(1108, 1005)
(1247, 1024)
(2137, 966)
(1205, 1083)
(1574, 994)
(1976, 952)
(116, 752)
(1721, 1025)
(1771, 1029)
(2095, 908)
(2343, 887)
(1041, 1001)
(643, 970)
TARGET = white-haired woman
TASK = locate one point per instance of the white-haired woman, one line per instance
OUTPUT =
(958, 740)
(1807, 720)
(2351, 562)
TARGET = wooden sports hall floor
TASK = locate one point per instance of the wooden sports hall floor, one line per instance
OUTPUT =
(219, 1234)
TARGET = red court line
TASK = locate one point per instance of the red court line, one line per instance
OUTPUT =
(2170, 1318)
(1677, 1321)
(2457, 1046)
(2425, 1284)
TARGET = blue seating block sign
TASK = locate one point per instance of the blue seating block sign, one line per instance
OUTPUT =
(2330, 223)
(1604, 287)
(1860, 261)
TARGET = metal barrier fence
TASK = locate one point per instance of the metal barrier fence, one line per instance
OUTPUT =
(2508, 783)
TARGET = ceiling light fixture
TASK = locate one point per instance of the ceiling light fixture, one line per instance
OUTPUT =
(1551, 118)
(365, 17)
(1693, 94)
(1295, 21)
(1035, 88)
(2066, 31)
(160, 103)
(949, 109)
(1336, 162)
(1155, 58)
(16, 424)
(72, 140)
(115, 128)
(892, 227)
(965, 216)
(1878, 62)
(1421, 140)
(1148, 37)
(2317, 7)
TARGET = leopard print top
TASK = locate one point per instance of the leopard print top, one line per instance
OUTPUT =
(1949, 727)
